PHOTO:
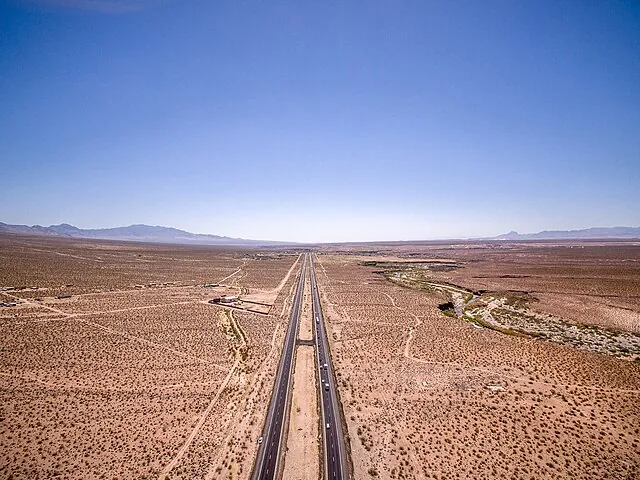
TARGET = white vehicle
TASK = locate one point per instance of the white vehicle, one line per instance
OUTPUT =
(328, 426)
(259, 440)
(326, 387)
(326, 366)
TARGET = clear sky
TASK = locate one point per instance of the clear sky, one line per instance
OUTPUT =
(321, 120)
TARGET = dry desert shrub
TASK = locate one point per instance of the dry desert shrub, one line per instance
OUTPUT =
(112, 381)
(430, 396)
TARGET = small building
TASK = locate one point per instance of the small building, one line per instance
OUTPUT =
(229, 299)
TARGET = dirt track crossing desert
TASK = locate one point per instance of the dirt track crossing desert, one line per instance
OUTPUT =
(430, 395)
(115, 364)
(451, 361)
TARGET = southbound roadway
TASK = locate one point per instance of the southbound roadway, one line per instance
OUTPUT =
(268, 458)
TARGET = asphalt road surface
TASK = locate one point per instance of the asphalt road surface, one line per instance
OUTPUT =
(335, 456)
(267, 460)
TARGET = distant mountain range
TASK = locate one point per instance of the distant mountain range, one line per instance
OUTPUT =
(136, 233)
(147, 233)
(585, 234)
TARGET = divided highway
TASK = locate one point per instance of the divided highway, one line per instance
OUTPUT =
(335, 466)
(267, 460)
(335, 453)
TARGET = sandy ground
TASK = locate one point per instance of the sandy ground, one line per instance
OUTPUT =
(302, 457)
(301, 461)
(250, 408)
(269, 295)
(306, 326)
(428, 396)
(135, 375)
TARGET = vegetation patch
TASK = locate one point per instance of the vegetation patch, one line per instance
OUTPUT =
(508, 312)
(447, 308)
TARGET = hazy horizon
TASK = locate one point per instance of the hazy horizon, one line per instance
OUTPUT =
(321, 123)
(401, 240)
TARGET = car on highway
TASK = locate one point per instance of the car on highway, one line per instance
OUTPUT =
(325, 366)
(326, 386)
(328, 426)
(260, 440)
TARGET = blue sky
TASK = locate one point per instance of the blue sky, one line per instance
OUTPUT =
(321, 121)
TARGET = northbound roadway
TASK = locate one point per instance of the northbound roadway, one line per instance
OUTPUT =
(335, 453)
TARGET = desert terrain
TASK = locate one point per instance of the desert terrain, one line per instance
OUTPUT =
(116, 365)
(487, 360)
(476, 360)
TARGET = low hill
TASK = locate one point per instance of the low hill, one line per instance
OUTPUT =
(137, 233)
(585, 234)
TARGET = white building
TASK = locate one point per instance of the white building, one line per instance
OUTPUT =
(229, 299)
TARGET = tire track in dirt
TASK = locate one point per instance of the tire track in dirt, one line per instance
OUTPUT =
(212, 473)
(407, 355)
(130, 309)
(522, 379)
(78, 317)
(394, 419)
(98, 312)
(285, 279)
(258, 378)
(70, 386)
(234, 273)
(153, 344)
(238, 358)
